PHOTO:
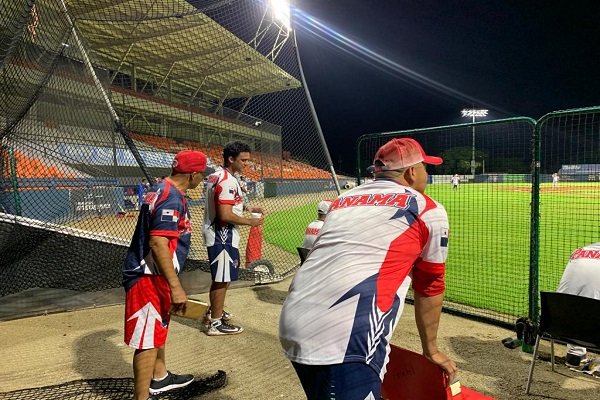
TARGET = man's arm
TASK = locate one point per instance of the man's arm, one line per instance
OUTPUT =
(162, 256)
(428, 310)
(226, 214)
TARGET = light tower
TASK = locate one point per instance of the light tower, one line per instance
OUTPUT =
(472, 113)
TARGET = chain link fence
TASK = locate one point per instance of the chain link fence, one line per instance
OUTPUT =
(534, 199)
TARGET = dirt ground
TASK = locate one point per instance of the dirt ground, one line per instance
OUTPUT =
(85, 344)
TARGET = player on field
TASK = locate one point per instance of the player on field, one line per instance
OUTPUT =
(455, 181)
(158, 250)
(555, 179)
(223, 212)
(345, 302)
(313, 229)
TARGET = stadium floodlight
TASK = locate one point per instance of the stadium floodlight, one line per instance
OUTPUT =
(472, 113)
(281, 12)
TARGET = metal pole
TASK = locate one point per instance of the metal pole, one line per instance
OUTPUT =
(315, 118)
(473, 150)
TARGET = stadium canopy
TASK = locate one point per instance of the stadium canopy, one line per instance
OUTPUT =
(177, 42)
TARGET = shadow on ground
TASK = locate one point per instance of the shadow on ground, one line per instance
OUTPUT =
(270, 295)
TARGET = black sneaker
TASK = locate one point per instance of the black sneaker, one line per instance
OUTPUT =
(171, 382)
(218, 327)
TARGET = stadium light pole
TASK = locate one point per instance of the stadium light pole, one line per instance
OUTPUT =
(472, 113)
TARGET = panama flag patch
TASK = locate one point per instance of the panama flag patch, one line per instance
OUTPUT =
(169, 216)
(444, 237)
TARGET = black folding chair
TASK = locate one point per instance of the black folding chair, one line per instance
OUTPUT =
(568, 319)
(303, 253)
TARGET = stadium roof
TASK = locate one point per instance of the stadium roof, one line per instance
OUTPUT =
(178, 43)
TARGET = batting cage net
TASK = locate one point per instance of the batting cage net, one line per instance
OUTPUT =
(521, 196)
(96, 99)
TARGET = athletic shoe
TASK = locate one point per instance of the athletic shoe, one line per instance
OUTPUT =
(170, 382)
(218, 327)
(573, 361)
(225, 316)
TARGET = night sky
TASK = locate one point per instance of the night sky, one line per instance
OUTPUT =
(515, 58)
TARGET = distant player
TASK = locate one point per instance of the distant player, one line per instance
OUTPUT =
(313, 229)
(555, 179)
(455, 181)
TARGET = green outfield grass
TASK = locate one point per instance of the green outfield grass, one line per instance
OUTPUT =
(489, 246)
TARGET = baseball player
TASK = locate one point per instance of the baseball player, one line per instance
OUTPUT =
(555, 179)
(158, 250)
(345, 302)
(455, 181)
(582, 278)
(313, 229)
(223, 212)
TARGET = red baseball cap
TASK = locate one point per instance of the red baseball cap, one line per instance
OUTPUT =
(188, 161)
(402, 153)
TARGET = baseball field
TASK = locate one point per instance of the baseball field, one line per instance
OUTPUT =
(488, 262)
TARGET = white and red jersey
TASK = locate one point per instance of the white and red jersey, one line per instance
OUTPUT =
(164, 212)
(582, 274)
(310, 235)
(222, 188)
(346, 299)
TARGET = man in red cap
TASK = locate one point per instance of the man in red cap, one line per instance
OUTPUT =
(345, 302)
(158, 250)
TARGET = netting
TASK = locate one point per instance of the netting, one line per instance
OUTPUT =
(512, 226)
(569, 206)
(113, 389)
(97, 95)
(488, 212)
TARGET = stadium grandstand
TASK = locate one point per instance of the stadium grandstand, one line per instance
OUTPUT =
(97, 95)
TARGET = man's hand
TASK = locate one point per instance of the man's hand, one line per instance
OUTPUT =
(178, 299)
(445, 363)
(256, 221)
(256, 210)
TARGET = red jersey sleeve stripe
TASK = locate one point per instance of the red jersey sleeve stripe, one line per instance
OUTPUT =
(164, 233)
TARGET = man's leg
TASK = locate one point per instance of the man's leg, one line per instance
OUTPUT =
(144, 362)
(222, 275)
(218, 290)
(217, 325)
(164, 380)
(160, 366)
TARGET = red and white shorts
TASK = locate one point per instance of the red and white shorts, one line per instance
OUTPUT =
(147, 317)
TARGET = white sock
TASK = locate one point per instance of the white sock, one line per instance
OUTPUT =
(154, 379)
